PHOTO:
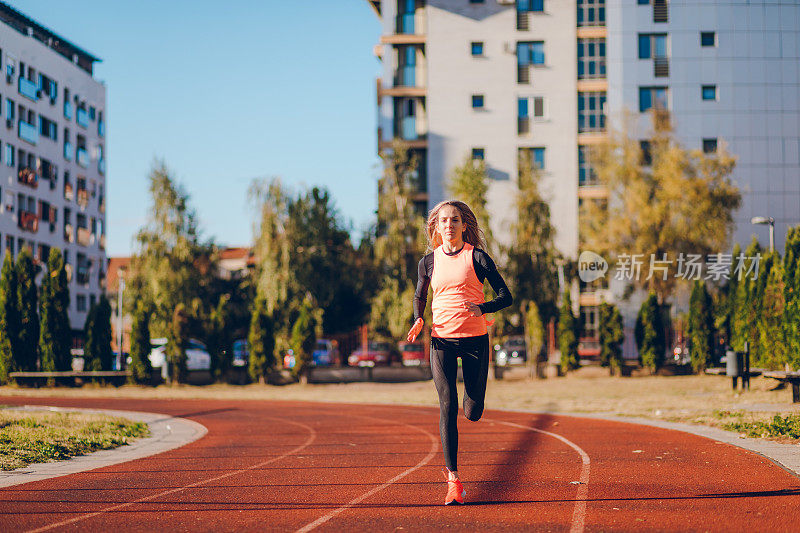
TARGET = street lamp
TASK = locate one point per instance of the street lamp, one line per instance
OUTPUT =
(121, 287)
(771, 222)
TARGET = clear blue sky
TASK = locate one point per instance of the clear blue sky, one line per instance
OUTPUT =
(225, 92)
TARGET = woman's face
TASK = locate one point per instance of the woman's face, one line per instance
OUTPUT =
(450, 225)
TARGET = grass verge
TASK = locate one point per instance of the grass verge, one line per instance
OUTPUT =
(28, 437)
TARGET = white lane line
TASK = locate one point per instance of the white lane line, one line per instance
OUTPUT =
(579, 514)
(312, 436)
(431, 455)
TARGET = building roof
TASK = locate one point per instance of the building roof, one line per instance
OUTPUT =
(60, 45)
(112, 272)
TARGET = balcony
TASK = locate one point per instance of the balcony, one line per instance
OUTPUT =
(406, 76)
(68, 151)
(403, 38)
(26, 176)
(67, 110)
(101, 166)
(405, 23)
(28, 132)
(83, 197)
(28, 89)
(28, 221)
(82, 157)
(408, 128)
(69, 234)
(82, 276)
(523, 125)
(69, 194)
(660, 67)
(84, 237)
(82, 117)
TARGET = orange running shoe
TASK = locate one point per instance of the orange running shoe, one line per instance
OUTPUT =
(455, 491)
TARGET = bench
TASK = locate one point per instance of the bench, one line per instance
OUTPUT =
(71, 378)
(792, 378)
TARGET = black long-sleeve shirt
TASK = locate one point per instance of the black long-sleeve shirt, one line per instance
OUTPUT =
(484, 269)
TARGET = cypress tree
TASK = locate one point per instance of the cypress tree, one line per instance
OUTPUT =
(176, 344)
(701, 327)
(261, 342)
(140, 345)
(304, 337)
(567, 335)
(9, 318)
(791, 291)
(772, 343)
(98, 336)
(650, 338)
(612, 335)
(56, 335)
(27, 298)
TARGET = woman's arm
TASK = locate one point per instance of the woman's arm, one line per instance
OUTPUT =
(423, 282)
(486, 269)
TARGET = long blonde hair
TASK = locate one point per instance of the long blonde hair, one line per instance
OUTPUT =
(473, 234)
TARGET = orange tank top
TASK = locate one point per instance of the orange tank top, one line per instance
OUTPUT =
(454, 284)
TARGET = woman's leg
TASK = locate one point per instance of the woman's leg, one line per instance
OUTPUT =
(444, 367)
(475, 367)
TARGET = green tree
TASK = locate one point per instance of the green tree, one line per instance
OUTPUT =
(612, 335)
(56, 334)
(97, 349)
(701, 327)
(219, 338)
(682, 202)
(791, 280)
(9, 318)
(469, 184)
(27, 303)
(568, 335)
(390, 315)
(650, 336)
(773, 353)
(140, 347)
(534, 331)
(261, 342)
(745, 302)
(177, 339)
(304, 336)
(723, 300)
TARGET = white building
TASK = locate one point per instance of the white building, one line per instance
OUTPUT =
(52, 154)
(493, 77)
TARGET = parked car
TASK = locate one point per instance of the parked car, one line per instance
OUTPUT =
(377, 353)
(589, 348)
(414, 354)
(325, 353)
(241, 353)
(513, 352)
(197, 356)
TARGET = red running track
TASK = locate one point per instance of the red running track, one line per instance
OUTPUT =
(291, 466)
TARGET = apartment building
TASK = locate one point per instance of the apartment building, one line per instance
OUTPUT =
(488, 79)
(52, 155)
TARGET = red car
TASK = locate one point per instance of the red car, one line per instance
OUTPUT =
(414, 354)
(378, 353)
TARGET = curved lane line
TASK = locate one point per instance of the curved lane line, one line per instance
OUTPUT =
(431, 455)
(311, 438)
(579, 514)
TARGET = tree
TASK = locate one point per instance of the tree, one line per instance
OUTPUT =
(773, 352)
(9, 318)
(723, 304)
(682, 202)
(177, 340)
(468, 183)
(568, 335)
(140, 348)
(304, 336)
(56, 334)
(261, 342)
(27, 298)
(745, 298)
(650, 337)
(97, 329)
(391, 308)
(701, 327)
(791, 280)
(612, 335)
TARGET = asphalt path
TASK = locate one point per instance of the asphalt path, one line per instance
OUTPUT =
(293, 466)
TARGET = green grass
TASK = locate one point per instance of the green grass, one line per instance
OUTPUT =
(779, 426)
(40, 436)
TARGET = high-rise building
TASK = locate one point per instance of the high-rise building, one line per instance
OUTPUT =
(491, 78)
(52, 155)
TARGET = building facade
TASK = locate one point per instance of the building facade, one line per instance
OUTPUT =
(491, 78)
(52, 155)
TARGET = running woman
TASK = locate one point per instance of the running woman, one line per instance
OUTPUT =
(455, 271)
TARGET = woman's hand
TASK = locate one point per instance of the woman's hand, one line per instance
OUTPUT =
(414, 331)
(474, 309)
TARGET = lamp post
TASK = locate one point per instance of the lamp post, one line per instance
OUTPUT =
(120, 287)
(771, 222)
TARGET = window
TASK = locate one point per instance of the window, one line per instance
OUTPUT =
(478, 154)
(586, 174)
(477, 101)
(476, 1)
(709, 146)
(406, 14)
(535, 155)
(530, 5)
(406, 66)
(48, 128)
(10, 109)
(647, 156)
(591, 13)
(653, 97)
(80, 302)
(9, 155)
(591, 111)
(709, 92)
(708, 38)
(528, 53)
(643, 2)
(523, 112)
(477, 48)
(10, 244)
(591, 58)
(91, 300)
(652, 45)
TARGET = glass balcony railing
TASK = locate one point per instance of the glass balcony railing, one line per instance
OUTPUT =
(408, 128)
(101, 166)
(68, 151)
(82, 157)
(28, 89)
(68, 110)
(82, 118)
(28, 132)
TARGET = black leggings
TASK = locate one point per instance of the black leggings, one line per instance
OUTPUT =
(474, 353)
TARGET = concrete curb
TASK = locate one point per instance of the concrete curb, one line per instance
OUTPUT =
(166, 433)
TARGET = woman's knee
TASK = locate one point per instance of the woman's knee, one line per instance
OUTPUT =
(473, 411)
